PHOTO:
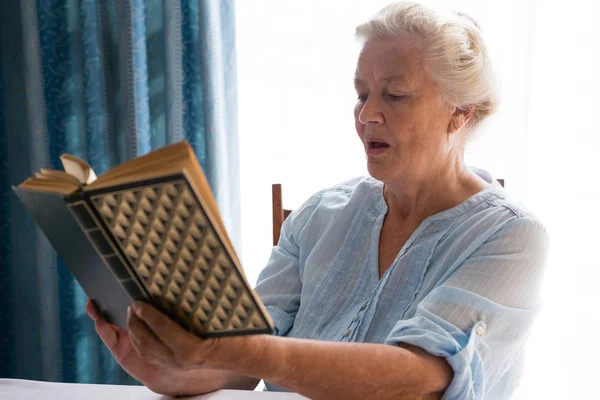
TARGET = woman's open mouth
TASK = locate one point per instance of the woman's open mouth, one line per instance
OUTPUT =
(376, 147)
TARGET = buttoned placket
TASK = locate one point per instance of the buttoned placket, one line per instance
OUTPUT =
(355, 320)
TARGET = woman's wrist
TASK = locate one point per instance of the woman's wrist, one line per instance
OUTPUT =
(244, 354)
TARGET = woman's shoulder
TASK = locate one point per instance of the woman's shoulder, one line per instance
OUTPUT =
(342, 199)
(494, 213)
(500, 204)
(362, 184)
(353, 191)
(519, 221)
(495, 202)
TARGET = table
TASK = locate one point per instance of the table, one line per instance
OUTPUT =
(19, 389)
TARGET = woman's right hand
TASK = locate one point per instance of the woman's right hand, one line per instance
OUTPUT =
(165, 381)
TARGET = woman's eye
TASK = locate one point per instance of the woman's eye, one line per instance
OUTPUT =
(395, 97)
(362, 97)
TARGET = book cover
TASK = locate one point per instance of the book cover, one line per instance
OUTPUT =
(154, 239)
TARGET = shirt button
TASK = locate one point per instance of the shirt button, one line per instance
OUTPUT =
(480, 330)
(363, 306)
(347, 332)
(355, 318)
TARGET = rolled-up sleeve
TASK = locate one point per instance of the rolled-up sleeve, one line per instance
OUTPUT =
(280, 283)
(480, 318)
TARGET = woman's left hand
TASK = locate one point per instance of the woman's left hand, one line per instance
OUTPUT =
(160, 341)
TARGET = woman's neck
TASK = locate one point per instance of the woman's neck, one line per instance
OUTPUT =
(416, 199)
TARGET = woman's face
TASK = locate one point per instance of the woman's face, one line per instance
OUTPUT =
(400, 116)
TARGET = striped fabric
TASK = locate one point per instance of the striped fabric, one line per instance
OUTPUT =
(464, 286)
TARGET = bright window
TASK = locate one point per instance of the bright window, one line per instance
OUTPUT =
(296, 62)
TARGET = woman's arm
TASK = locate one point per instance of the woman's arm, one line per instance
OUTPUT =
(327, 370)
(316, 369)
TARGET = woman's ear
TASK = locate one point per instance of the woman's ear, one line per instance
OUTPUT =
(460, 118)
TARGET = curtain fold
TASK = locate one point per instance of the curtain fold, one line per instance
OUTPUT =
(106, 80)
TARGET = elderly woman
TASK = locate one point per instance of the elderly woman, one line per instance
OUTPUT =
(419, 281)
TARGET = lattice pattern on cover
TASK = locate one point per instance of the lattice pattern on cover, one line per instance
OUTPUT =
(177, 255)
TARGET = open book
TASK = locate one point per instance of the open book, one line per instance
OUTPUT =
(148, 230)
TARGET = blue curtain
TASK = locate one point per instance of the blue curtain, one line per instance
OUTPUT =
(106, 80)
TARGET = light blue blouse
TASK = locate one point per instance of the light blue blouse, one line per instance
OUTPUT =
(464, 286)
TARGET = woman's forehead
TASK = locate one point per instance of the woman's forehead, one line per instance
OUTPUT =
(397, 60)
(398, 79)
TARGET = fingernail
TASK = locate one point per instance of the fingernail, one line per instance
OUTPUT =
(128, 311)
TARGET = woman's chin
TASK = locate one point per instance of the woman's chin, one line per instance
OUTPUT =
(379, 171)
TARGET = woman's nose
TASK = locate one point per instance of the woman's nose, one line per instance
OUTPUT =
(370, 113)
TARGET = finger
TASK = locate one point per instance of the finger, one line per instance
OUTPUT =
(146, 344)
(107, 332)
(91, 310)
(186, 348)
(169, 332)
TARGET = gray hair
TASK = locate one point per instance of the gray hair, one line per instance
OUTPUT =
(455, 54)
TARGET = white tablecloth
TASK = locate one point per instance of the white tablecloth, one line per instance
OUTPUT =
(17, 389)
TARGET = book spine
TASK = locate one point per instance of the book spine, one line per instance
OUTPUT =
(99, 237)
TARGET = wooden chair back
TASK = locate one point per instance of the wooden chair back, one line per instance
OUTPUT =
(279, 213)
